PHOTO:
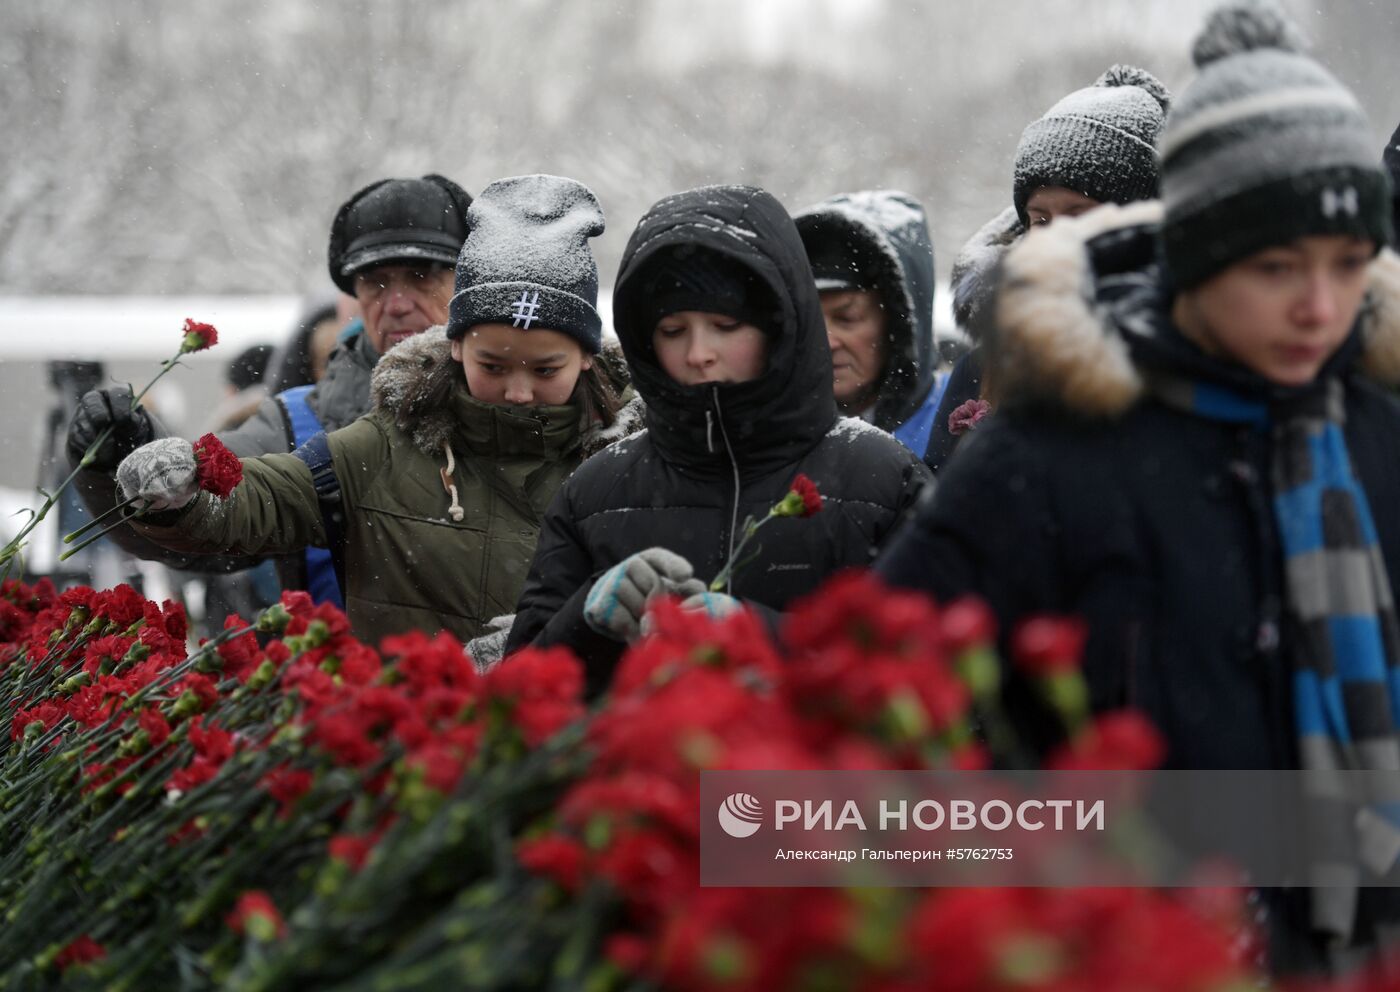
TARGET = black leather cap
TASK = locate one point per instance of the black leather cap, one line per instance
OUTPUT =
(397, 221)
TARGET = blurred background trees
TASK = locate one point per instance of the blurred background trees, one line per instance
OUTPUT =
(165, 148)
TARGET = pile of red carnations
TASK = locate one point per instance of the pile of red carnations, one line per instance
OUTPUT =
(287, 807)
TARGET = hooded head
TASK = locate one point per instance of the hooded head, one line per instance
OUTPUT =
(1097, 141)
(1263, 147)
(878, 240)
(747, 251)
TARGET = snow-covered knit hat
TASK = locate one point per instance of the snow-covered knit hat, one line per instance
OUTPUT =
(1097, 141)
(1262, 147)
(397, 221)
(527, 262)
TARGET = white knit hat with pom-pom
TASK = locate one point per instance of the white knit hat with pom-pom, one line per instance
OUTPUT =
(1262, 147)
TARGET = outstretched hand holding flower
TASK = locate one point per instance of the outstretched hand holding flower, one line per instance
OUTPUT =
(168, 473)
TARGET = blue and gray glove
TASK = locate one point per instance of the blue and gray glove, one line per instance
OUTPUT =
(163, 474)
(618, 600)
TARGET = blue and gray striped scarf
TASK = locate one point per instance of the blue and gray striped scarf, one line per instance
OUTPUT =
(1343, 641)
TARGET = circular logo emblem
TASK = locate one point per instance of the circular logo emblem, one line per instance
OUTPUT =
(741, 815)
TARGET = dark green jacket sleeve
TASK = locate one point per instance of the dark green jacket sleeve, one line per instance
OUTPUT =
(274, 510)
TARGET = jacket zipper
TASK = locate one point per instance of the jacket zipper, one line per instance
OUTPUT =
(734, 465)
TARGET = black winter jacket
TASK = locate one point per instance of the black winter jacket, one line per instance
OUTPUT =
(711, 455)
(1085, 495)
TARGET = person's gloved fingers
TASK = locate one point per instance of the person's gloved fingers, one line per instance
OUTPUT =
(632, 602)
(688, 588)
(89, 420)
(667, 563)
(162, 474)
(714, 604)
(100, 409)
(603, 609)
(643, 576)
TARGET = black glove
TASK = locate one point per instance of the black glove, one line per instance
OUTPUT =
(103, 408)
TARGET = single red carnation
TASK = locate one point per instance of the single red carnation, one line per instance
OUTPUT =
(353, 849)
(968, 623)
(554, 856)
(219, 469)
(802, 499)
(256, 915)
(1046, 645)
(198, 336)
(82, 951)
(1123, 740)
(811, 496)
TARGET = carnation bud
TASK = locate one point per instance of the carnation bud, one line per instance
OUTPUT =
(262, 676)
(187, 705)
(208, 662)
(73, 683)
(274, 619)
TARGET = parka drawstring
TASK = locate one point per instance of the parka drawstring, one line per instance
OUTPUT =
(454, 511)
(734, 464)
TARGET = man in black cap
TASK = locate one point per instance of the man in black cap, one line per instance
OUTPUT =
(393, 246)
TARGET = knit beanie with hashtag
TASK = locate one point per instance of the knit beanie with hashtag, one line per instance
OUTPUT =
(527, 262)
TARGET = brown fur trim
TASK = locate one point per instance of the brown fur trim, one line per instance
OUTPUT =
(1381, 322)
(413, 383)
(1050, 341)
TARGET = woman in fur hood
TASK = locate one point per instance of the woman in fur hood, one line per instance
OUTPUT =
(1195, 449)
(438, 493)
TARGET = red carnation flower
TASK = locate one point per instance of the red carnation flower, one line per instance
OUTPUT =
(198, 336)
(554, 856)
(802, 500)
(256, 915)
(968, 623)
(967, 416)
(82, 951)
(1123, 740)
(1046, 645)
(219, 469)
(811, 496)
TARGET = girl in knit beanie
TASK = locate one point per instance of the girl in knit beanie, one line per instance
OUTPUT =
(431, 503)
(1195, 451)
(1097, 145)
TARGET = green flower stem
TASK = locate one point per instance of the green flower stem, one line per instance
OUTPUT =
(70, 538)
(726, 574)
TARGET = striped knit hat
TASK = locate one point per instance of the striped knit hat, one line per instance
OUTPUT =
(1097, 141)
(1264, 146)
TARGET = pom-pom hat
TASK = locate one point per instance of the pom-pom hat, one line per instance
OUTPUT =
(1098, 141)
(1264, 146)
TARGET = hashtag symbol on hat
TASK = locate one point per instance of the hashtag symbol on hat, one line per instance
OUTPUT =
(525, 309)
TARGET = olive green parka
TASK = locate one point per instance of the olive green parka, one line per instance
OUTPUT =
(442, 495)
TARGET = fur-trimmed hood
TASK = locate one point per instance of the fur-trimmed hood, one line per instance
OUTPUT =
(414, 382)
(1077, 297)
(973, 280)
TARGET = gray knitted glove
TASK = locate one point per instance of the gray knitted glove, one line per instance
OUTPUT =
(716, 604)
(162, 474)
(486, 650)
(618, 600)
